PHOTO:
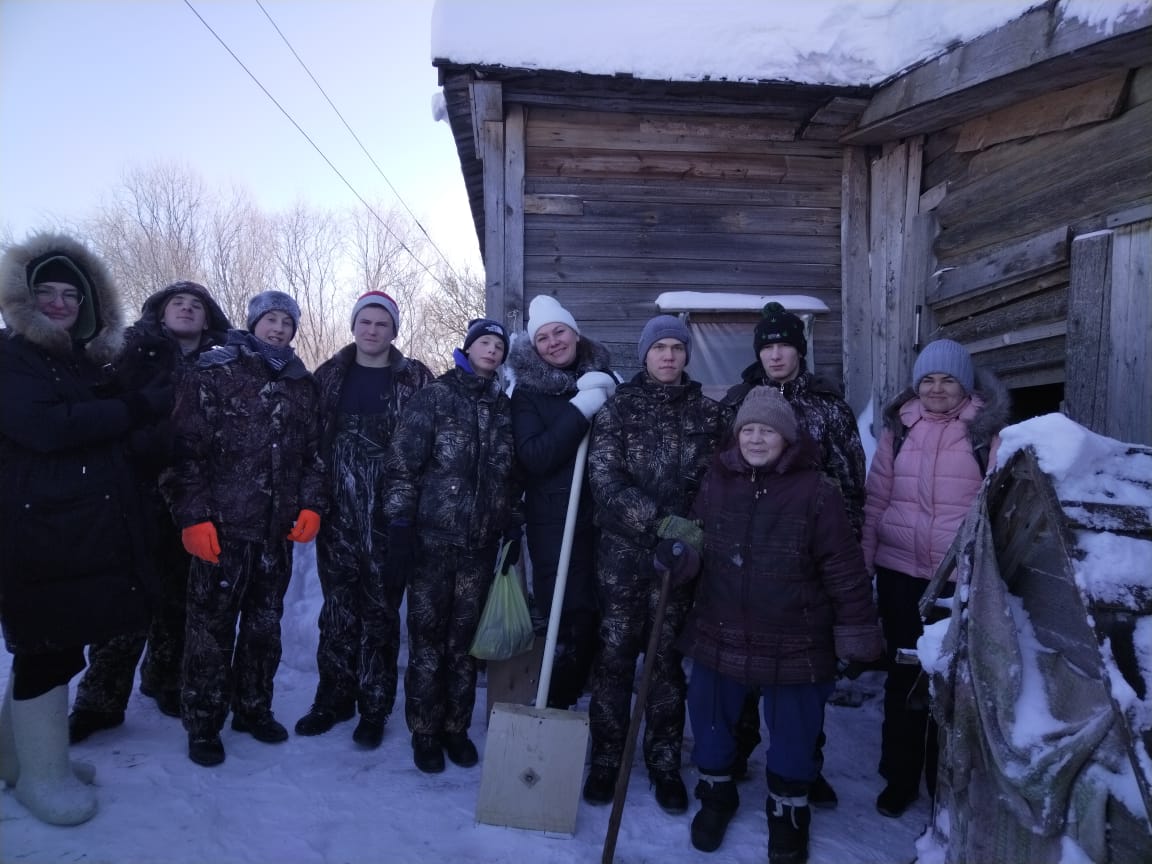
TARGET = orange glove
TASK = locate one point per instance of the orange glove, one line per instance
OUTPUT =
(307, 524)
(200, 540)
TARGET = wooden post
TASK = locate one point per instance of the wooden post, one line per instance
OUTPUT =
(1089, 301)
(1130, 325)
(513, 219)
(855, 301)
(488, 127)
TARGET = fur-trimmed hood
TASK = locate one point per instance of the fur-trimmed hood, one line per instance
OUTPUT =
(150, 324)
(537, 376)
(993, 416)
(102, 296)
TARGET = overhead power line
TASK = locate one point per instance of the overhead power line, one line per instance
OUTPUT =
(356, 137)
(316, 147)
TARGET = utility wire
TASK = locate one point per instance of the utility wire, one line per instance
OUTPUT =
(316, 147)
(356, 137)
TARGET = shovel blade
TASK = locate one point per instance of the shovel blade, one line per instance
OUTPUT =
(533, 768)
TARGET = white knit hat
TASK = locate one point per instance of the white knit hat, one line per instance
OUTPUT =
(546, 309)
(377, 298)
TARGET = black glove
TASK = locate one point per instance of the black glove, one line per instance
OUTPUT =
(678, 558)
(512, 537)
(401, 551)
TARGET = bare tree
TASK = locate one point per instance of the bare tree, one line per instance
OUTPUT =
(307, 249)
(238, 254)
(443, 312)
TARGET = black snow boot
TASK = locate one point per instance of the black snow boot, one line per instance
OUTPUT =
(670, 792)
(370, 731)
(600, 787)
(788, 821)
(718, 803)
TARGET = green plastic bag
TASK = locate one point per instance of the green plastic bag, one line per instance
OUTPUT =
(505, 628)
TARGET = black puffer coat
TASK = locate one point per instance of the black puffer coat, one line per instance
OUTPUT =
(451, 465)
(783, 590)
(247, 445)
(651, 444)
(822, 412)
(73, 561)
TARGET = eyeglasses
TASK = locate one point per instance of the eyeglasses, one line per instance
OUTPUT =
(68, 296)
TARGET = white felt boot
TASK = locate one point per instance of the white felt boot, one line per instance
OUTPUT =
(9, 765)
(47, 785)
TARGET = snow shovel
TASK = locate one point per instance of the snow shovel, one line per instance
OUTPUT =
(534, 758)
(625, 774)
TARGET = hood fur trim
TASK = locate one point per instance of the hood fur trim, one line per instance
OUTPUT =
(19, 308)
(537, 376)
(985, 426)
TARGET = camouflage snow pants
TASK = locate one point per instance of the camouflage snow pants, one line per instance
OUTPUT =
(107, 682)
(223, 670)
(359, 621)
(629, 591)
(446, 594)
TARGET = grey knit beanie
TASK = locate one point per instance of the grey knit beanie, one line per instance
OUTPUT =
(948, 358)
(664, 327)
(766, 405)
(272, 301)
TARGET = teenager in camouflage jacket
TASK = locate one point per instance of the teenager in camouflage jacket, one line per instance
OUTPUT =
(247, 479)
(651, 444)
(452, 494)
(363, 390)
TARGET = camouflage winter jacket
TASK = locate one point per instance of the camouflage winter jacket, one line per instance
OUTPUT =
(651, 444)
(451, 463)
(374, 430)
(247, 445)
(822, 412)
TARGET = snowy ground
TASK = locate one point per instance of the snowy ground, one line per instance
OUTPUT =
(324, 801)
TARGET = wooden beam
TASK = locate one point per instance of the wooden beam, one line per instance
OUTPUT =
(1130, 328)
(932, 197)
(889, 184)
(1039, 51)
(1018, 337)
(855, 296)
(1093, 102)
(514, 304)
(553, 205)
(1089, 324)
(1031, 257)
(487, 105)
(491, 153)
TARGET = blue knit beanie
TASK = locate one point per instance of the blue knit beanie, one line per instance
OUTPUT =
(947, 358)
(664, 327)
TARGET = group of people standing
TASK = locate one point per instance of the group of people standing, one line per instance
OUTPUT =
(162, 482)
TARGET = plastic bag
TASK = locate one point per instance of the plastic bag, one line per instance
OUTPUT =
(505, 628)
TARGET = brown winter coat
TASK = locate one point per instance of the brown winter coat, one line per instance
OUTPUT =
(783, 592)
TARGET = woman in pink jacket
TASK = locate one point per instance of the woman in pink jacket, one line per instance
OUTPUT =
(940, 436)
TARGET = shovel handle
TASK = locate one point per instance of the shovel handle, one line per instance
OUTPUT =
(625, 773)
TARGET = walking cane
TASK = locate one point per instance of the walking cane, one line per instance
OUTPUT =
(621, 791)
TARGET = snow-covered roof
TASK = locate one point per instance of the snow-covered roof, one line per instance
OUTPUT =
(837, 42)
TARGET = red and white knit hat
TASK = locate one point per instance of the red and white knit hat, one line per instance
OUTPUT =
(377, 298)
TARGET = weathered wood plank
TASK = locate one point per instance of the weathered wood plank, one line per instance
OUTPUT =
(1089, 331)
(1033, 54)
(688, 192)
(1092, 102)
(932, 197)
(765, 167)
(1086, 171)
(701, 218)
(856, 297)
(553, 205)
(615, 131)
(1130, 325)
(682, 245)
(1031, 257)
(492, 155)
(487, 106)
(978, 304)
(1026, 357)
(1126, 217)
(1017, 336)
(839, 111)
(1034, 309)
(919, 262)
(888, 209)
(772, 276)
(514, 240)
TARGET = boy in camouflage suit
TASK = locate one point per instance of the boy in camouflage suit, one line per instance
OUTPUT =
(247, 479)
(651, 444)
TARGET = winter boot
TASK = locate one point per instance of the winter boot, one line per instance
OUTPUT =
(320, 718)
(718, 802)
(263, 727)
(788, 821)
(460, 748)
(369, 731)
(600, 787)
(47, 785)
(427, 754)
(670, 792)
(9, 765)
(82, 723)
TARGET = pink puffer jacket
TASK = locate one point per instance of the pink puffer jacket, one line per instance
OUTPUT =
(918, 500)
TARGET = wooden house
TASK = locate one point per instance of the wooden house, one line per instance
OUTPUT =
(999, 194)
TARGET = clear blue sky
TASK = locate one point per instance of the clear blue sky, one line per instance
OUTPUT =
(89, 88)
